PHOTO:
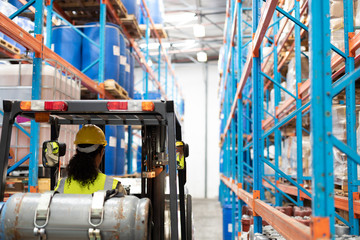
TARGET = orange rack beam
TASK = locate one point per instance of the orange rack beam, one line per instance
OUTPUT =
(14, 31)
(285, 225)
(305, 86)
(340, 202)
(256, 43)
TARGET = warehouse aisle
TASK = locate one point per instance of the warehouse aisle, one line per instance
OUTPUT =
(207, 219)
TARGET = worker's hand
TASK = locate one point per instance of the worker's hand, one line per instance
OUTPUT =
(113, 193)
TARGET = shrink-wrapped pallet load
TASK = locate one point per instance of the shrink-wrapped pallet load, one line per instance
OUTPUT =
(16, 84)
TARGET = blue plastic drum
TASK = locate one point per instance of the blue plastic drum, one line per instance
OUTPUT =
(153, 95)
(127, 71)
(91, 53)
(156, 9)
(137, 96)
(132, 7)
(67, 43)
(16, 3)
(122, 76)
(227, 222)
(138, 159)
(132, 77)
(110, 149)
(120, 151)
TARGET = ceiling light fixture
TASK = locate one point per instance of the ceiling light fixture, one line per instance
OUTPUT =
(201, 56)
(199, 30)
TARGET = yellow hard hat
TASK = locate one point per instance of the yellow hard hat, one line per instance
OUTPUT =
(90, 134)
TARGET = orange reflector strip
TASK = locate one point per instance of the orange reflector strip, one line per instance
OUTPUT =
(25, 105)
(147, 106)
(42, 117)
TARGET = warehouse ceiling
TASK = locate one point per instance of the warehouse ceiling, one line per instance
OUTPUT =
(180, 18)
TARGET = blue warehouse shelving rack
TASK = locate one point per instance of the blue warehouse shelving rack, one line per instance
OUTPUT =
(43, 12)
(250, 125)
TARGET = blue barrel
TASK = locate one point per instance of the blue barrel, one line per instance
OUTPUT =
(122, 76)
(138, 159)
(16, 3)
(156, 9)
(132, 7)
(227, 222)
(120, 151)
(221, 167)
(91, 53)
(132, 77)
(67, 43)
(110, 149)
(137, 96)
(127, 71)
(182, 107)
(153, 95)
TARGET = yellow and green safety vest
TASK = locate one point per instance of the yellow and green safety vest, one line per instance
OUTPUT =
(102, 182)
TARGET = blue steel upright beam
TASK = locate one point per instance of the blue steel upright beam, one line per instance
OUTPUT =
(35, 95)
(172, 86)
(233, 128)
(248, 127)
(159, 66)
(277, 98)
(240, 154)
(321, 120)
(257, 117)
(299, 160)
(350, 116)
(129, 151)
(49, 9)
(102, 41)
(166, 78)
(147, 36)
(226, 109)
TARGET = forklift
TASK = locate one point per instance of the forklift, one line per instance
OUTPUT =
(102, 215)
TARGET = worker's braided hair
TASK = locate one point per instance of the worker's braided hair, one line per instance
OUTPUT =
(82, 166)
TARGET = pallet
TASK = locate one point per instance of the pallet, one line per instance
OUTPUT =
(9, 47)
(88, 10)
(119, 8)
(15, 185)
(88, 95)
(158, 28)
(343, 186)
(115, 89)
(131, 25)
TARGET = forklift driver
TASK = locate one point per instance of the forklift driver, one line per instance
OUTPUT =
(83, 174)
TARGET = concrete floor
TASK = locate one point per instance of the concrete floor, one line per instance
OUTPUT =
(207, 216)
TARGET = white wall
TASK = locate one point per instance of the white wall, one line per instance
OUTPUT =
(191, 79)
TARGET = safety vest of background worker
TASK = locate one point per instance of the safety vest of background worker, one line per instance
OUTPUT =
(83, 174)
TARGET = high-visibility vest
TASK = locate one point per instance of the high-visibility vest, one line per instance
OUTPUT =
(102, 182)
